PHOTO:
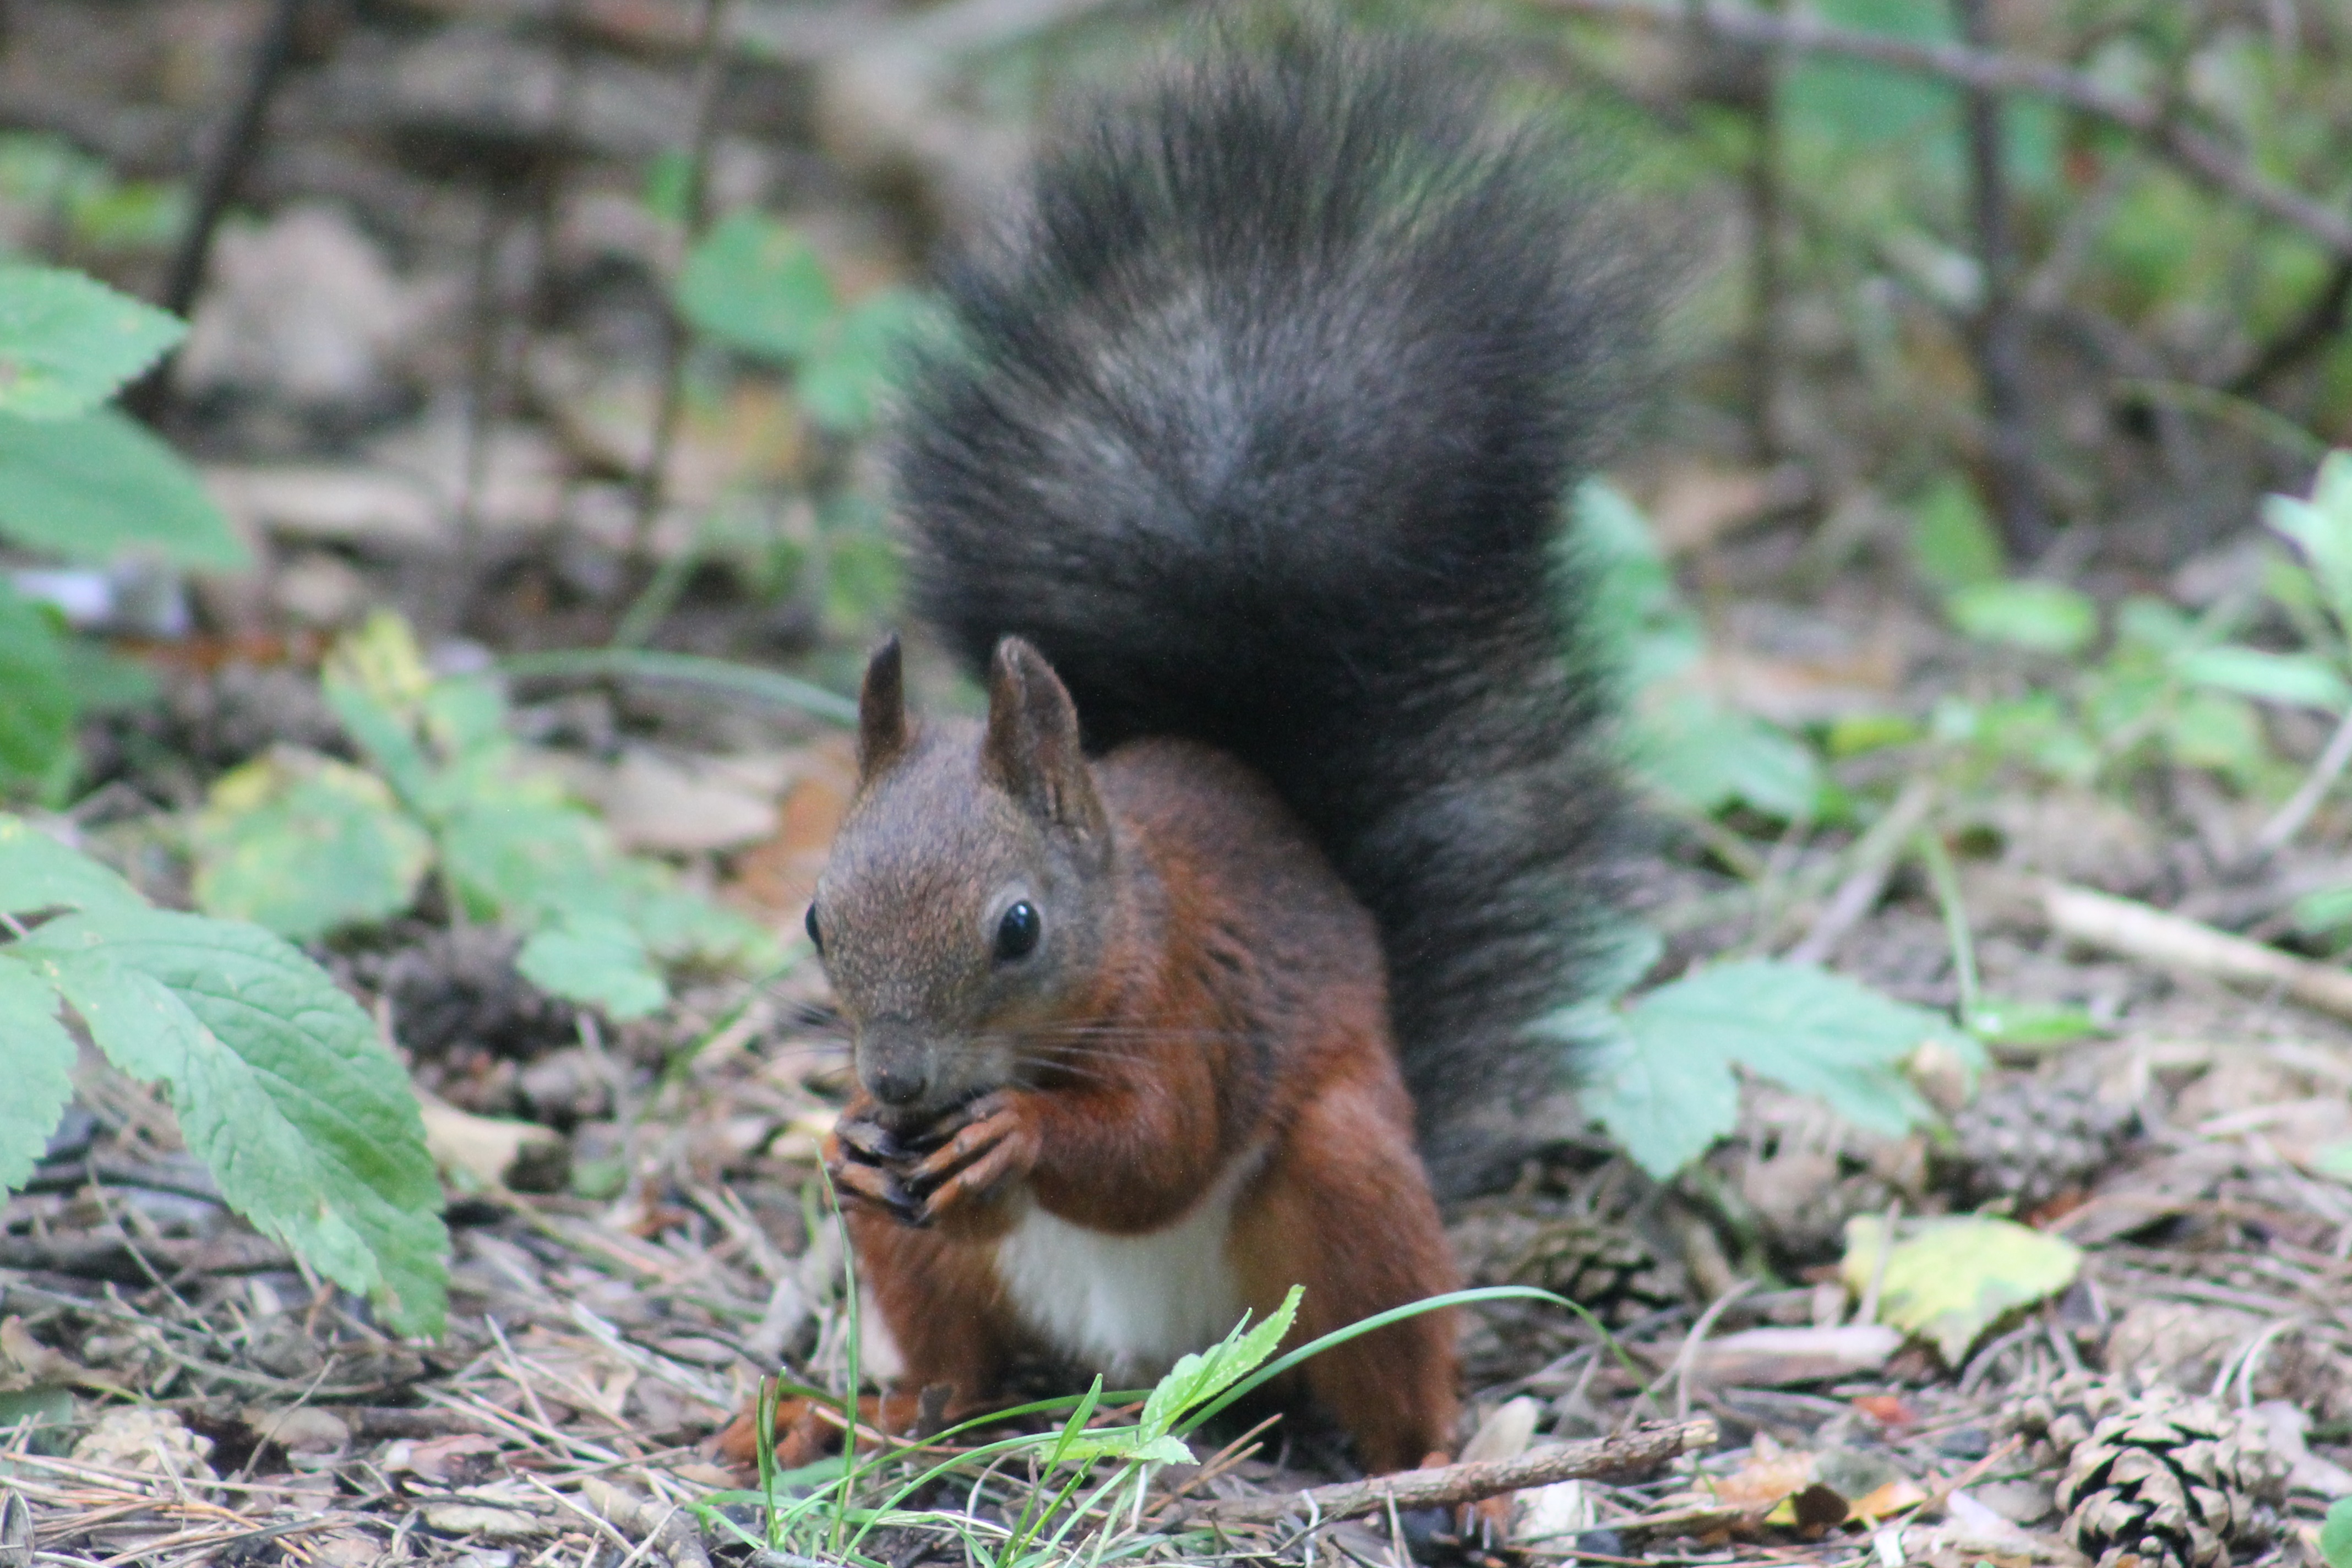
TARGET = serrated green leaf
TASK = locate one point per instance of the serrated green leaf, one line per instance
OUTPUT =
(37, 1058)
(68, 341)
(753, 284)
(36, 701)
(1199, 1377)
(1664, 1112)
(1665, 1088)
(1954, 1278)
(279, 1084)
(2297, 679)
(2041, 617)
(302, 845)
(93, 486)
(1707, 757)
(36, 873)
(598, 960)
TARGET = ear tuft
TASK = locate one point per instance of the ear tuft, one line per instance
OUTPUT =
(882, 732)
(1032, 748)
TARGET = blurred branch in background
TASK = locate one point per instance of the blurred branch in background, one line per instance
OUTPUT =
(2000, 326)
(224, 167)
(1984, 70)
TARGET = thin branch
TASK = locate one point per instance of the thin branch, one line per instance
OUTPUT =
(1633, 1453)
(223, 170)
(2277, 832)
(1999, 327)
(2305, 336)
(710, 77)
(1985, 70)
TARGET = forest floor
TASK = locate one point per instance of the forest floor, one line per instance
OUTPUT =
(432, 355)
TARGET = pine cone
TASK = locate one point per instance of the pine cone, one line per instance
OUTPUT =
(2032, 1139)
(1609, 1272)
(2056, 1419)
(2164, 1481)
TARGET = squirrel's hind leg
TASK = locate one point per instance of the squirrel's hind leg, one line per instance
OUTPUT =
(1344, 1210)
(944, 1308)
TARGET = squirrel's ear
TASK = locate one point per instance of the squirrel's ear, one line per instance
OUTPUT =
(1031, 747)
(881, 713)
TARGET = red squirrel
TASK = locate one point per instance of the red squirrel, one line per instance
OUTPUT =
(1239, 478)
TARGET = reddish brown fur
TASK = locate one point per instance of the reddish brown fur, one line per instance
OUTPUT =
(1235, 1007)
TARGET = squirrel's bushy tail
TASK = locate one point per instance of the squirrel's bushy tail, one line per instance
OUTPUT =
(1259, 422)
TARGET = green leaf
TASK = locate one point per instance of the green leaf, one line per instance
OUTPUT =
(1199, 1377)
(1665, 1113)
(2030, 1024)
(529, 861)
(2335, 1534)
(841, 387)
(2295, 679)
(280, 1085)
(1665, 1088)
(38, 711)
(37, 873)
(2328, 910)
(304, 844)
(36, 1057)
(2322, 526)
(2208, 730)
(375, 681)
(1954, 1278)
(91, 487)
(753, 284)
(2041, 617)
(1707, 756)
(597, 960)
(67, 342)
(1953, 541)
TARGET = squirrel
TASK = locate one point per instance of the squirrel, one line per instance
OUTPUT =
(1187, 974)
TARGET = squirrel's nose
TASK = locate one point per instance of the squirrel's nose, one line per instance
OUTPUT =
(893, 1060)
(899, 1084)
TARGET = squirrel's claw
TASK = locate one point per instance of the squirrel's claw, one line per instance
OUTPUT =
(996, 1144)
(878, 1186)
(863, 1138)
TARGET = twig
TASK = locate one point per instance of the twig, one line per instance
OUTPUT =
(223, 170)
(1621, 1454)
(2000, 334)
(1985, 70)
(2307, 334)
(2156, 938)
(1874, 855)
(2277, 832)
(709, 76)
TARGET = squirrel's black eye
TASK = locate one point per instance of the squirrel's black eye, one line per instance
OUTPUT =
(816, 937)
(1017, 932)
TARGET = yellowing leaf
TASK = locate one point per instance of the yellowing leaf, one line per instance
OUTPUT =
(1952, 1279)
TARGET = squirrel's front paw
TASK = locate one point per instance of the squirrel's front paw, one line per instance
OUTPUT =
(971, 1154)
(868, 1164)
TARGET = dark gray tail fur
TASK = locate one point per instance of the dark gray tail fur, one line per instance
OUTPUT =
(1259, 426)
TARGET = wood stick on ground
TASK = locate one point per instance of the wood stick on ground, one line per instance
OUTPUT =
(1623, 1453)
(2161, 940)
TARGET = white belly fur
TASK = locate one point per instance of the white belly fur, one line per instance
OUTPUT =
(1128, 1305)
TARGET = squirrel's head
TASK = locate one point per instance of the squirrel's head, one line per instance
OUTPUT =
(964, 906)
